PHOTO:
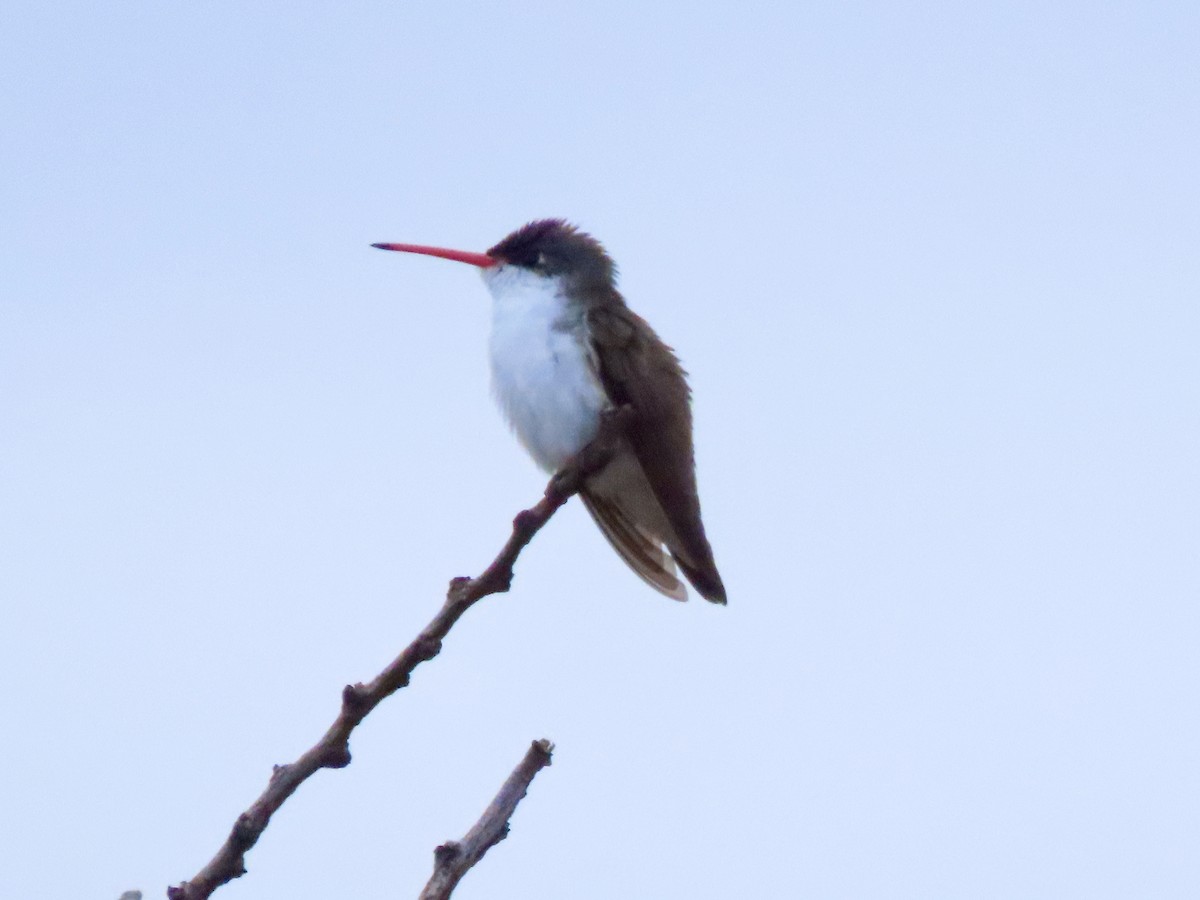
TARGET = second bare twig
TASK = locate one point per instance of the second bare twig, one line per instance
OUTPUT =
(452, 859)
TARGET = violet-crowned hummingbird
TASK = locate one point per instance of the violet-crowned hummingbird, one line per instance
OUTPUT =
(565, 347)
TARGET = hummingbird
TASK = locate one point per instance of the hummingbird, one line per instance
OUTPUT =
(564, 347)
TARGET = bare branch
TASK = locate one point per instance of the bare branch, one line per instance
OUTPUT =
(452, 859)
(332, 751)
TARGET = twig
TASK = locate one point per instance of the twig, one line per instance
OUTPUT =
(332, 751)
(452, 859)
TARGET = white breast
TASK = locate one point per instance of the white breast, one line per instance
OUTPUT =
(541, 375)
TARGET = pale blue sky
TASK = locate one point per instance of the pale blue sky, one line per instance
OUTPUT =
(934, 271)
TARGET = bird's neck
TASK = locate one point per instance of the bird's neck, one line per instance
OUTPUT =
(526, 299)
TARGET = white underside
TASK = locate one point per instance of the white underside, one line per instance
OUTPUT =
(541, 372)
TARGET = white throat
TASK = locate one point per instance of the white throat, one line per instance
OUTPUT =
(542, 373)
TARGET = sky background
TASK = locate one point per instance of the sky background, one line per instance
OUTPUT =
(933, 269)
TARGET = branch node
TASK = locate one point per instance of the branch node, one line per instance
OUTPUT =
(499, 581)
(446, 853)
(428, 648)
(337, 757)
(526, 521)
(354, 697)
(244, 832)
(456, 593)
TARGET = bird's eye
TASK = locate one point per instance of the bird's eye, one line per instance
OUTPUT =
(541, 261)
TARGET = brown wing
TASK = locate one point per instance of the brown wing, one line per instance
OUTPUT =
(640, 551)
(638, 369)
